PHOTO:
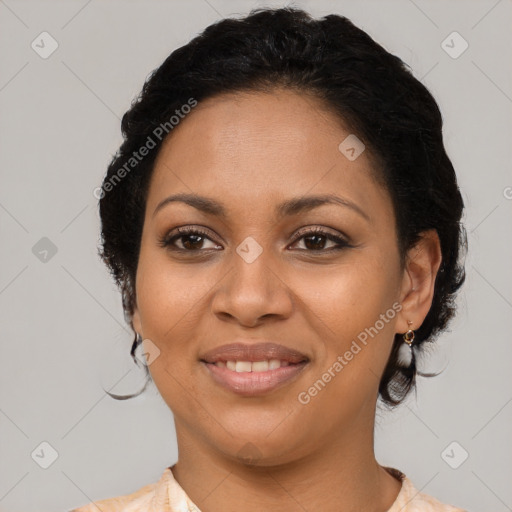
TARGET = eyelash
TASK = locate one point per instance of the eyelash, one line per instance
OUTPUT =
(167, 241)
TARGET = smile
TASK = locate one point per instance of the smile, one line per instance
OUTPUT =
(242, 379)
(250, 369)
(255, 366)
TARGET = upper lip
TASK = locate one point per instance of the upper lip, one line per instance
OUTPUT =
(253, 352)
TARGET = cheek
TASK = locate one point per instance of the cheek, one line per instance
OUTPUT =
(168, 294)
(353, 293)
(173, 301)
(344, 305)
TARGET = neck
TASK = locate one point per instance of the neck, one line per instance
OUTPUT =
(341, 475)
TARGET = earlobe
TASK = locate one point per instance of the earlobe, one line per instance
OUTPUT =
(418, 284)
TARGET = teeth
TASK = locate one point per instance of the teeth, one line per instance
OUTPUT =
(260, 366)
(273, 364)
(248, 366)
(243, 366)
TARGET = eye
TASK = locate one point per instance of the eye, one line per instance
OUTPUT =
(315, 240)
(192, 239)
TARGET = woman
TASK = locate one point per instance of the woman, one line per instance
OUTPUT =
(284, 224)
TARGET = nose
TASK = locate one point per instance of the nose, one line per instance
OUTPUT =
(252, 291)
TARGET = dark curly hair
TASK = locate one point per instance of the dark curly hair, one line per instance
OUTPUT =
(371, 90)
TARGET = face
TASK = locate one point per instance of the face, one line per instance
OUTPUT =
(316, 282)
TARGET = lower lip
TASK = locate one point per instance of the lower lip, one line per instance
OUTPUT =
(254, 383)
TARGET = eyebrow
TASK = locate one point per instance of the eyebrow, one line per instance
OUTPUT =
(289, 207)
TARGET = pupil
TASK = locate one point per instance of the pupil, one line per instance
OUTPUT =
(317, 238)
(198, 241)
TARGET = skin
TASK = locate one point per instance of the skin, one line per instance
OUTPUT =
(250, 152)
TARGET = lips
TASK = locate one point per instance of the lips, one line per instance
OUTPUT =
(253, 369)
(253, 352)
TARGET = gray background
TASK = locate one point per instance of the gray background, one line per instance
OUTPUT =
(63, 334)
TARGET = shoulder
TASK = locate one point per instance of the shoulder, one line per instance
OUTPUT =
(410, 499)
(142, 499)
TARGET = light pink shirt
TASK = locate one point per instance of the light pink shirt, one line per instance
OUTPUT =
(168, 496)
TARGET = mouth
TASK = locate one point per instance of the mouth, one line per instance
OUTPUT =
(253, 369)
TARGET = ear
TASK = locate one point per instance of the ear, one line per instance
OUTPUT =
(422, 263)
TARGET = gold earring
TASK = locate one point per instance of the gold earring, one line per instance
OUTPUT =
(405, 351)
(409, 335)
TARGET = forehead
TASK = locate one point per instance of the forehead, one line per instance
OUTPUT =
(249, 148)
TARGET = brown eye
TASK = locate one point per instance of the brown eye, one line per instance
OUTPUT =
(191, 240)
(316, 240)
